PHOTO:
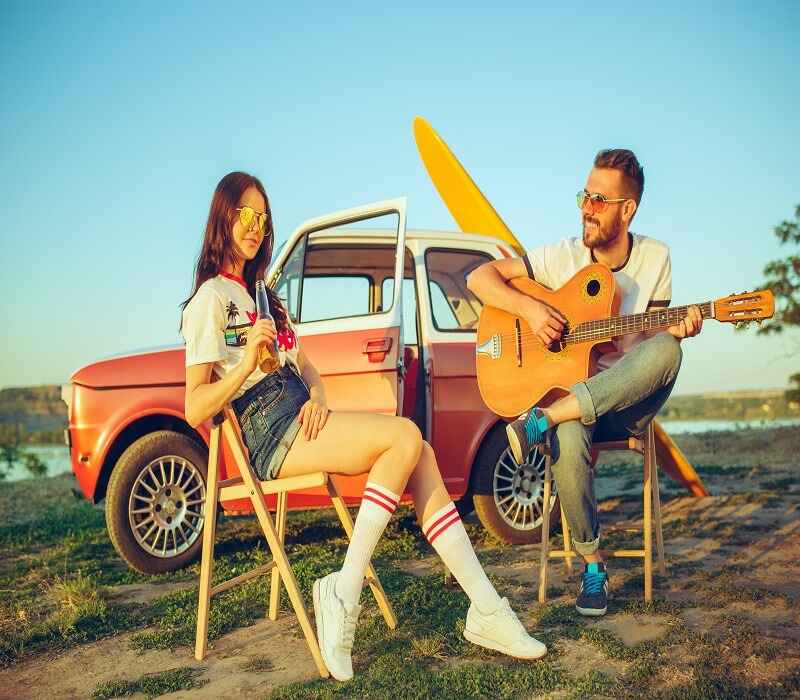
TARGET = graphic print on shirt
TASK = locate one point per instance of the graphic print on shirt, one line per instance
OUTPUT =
(236, 334)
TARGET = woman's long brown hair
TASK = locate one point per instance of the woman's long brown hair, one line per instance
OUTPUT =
(218, 241)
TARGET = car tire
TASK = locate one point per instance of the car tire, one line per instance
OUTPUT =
(524, 485)
(154, 502)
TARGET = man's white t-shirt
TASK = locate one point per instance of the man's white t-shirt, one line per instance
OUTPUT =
(644, 279)
(215, 326)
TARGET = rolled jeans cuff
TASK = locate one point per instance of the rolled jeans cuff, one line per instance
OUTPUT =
(586, 403)
(584, 548)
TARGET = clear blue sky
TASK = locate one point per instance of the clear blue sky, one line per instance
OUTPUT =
(118, 119)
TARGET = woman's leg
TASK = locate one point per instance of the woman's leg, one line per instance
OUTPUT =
(387, 448)
(442, 526)
(490, 621)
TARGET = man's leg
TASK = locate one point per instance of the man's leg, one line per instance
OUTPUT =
(572, 469)
(637, 377)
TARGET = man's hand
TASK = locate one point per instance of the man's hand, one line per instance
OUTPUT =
(545, 322)
(689, 326)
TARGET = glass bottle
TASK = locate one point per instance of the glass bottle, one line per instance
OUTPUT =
(268, 360)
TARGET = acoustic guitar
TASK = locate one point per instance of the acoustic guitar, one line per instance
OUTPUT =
(516, 371)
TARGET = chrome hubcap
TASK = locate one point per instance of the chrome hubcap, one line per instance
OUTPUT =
(165, 509)
(519, 490)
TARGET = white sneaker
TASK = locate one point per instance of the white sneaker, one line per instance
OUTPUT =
(502, 631)
(336, 626)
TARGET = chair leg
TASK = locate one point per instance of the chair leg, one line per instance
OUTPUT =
(372, 578)
(276, 548)
(648, 525)
(209, 534)
(545, 551)
(662, 566)
(567, 540)
(275, 585)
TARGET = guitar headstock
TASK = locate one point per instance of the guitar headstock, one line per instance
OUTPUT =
(748, 306)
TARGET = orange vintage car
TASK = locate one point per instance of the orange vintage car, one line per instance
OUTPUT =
(379, 345)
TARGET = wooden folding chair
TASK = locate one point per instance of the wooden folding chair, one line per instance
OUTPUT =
(644, 445)
(246, 485)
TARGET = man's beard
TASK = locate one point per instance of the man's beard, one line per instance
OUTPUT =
(599, 236)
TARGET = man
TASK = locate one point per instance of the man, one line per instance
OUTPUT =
(634, 379)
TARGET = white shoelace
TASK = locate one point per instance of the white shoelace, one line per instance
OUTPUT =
(349, 629)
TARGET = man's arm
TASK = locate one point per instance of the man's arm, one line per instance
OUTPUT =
(489, 283)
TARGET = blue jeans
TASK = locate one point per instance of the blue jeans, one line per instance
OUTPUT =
(267, 414)
(615, 404)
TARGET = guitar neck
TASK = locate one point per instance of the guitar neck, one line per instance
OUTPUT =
(656, 319)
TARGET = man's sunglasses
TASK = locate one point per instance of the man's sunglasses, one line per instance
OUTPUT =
(247, 215)
(597, 201)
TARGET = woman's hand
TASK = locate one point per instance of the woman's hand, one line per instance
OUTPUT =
(262, 331)
(545, 322)
(313, 416)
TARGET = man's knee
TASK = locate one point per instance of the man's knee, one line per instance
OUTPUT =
(670, 353)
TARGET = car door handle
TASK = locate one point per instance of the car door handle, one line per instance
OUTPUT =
(376, 348)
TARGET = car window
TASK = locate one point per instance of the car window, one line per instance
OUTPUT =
(334, 296)
(453, 306)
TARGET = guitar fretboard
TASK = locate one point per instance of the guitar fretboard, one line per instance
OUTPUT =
(635, 323)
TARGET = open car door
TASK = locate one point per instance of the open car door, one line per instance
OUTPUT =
(330, 275)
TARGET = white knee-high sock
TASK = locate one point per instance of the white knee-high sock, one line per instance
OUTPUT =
(377, 505)
(446, 533)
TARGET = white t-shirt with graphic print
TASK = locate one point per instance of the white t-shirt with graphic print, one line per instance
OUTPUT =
(645, 279)
(215, 326)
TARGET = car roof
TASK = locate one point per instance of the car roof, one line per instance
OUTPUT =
(364, 235)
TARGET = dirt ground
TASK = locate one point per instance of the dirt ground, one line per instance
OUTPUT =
(730, 593)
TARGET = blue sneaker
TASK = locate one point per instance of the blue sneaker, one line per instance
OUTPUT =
(593, 595)
(525, 433)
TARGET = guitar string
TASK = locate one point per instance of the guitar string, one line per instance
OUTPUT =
(617, 325)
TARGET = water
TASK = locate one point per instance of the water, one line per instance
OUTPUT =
(56, 457)
(675, 427)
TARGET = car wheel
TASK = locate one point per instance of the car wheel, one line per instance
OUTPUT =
(155, 500)
(509, 497)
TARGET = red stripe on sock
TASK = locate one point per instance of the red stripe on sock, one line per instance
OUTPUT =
(377, 494)
(367, 497)
(444, 527)
(442, 519)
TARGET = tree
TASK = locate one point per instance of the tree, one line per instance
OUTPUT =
(783, 278)
(10, 440)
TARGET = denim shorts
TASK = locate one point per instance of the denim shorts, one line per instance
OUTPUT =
(268, 416)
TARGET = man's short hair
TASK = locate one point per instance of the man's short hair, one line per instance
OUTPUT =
(626, 162)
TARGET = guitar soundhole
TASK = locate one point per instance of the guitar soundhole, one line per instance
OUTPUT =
(557, 346)
(593, 288)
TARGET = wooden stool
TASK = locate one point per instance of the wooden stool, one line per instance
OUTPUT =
(644, 445)
(248, 485)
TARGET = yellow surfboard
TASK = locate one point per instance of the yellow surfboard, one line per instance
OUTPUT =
(475, 214)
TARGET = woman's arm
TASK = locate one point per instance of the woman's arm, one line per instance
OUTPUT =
(205, 398)
(314, 412)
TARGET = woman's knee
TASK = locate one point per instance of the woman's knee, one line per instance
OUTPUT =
(408, 440)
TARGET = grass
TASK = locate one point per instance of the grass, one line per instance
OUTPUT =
(151, 684)
(59, 576)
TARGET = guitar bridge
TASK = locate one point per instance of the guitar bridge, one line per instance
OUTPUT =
(492, 347)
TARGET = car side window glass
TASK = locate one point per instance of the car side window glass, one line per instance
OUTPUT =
(334, 296)
(453, 306)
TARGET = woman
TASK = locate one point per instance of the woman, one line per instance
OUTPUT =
(288, 430)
